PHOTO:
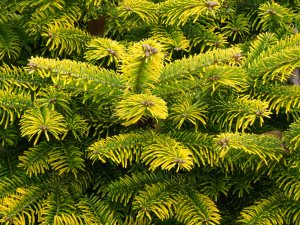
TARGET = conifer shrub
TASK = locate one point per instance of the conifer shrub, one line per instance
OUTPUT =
(139, 112)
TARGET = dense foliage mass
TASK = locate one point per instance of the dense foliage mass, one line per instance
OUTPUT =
(139, 112)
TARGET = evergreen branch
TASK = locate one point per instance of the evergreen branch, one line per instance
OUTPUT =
(189, 67)
(237, 27)
(187, 110)
(292, 159)
(154, 199)
(130, 15)
(46, 67)
(167, 153)
(20, 207)
(96, 117)
(66, 39)
(10, 43)
(100, 48)
(59, 209)
(72, 74)
(277, 62)
(105, 85)
(259, 45)
(35, 160)
(214, 184)
(200, 145)
(37, 121)
(292, 136)
(9, 184)
(11, 76)
(77, 126)
(241, 113)
(97, 211)
(135, 107)
(204, 37)
(218, 77)
(291, 214)
(75, 186)
(180, 12)
(282, 97)
(247, 150)
(171, 38)
(6, 15)
(242, 183)
(200, 79)
(39, 20)
(121, 149)
(40, 4)
(142, 69)
(289, 182)
(159, 152)
(123, 189)
(272, 16)
(168, 90)
(264, 211)
(12, 105)
(66, 158)
(286, 43)
(195, 208)
(53, 99)
(141, 10)
(8, 136)
(116, 24)
(90, 9)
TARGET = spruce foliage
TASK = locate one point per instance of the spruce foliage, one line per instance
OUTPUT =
(137, 112)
